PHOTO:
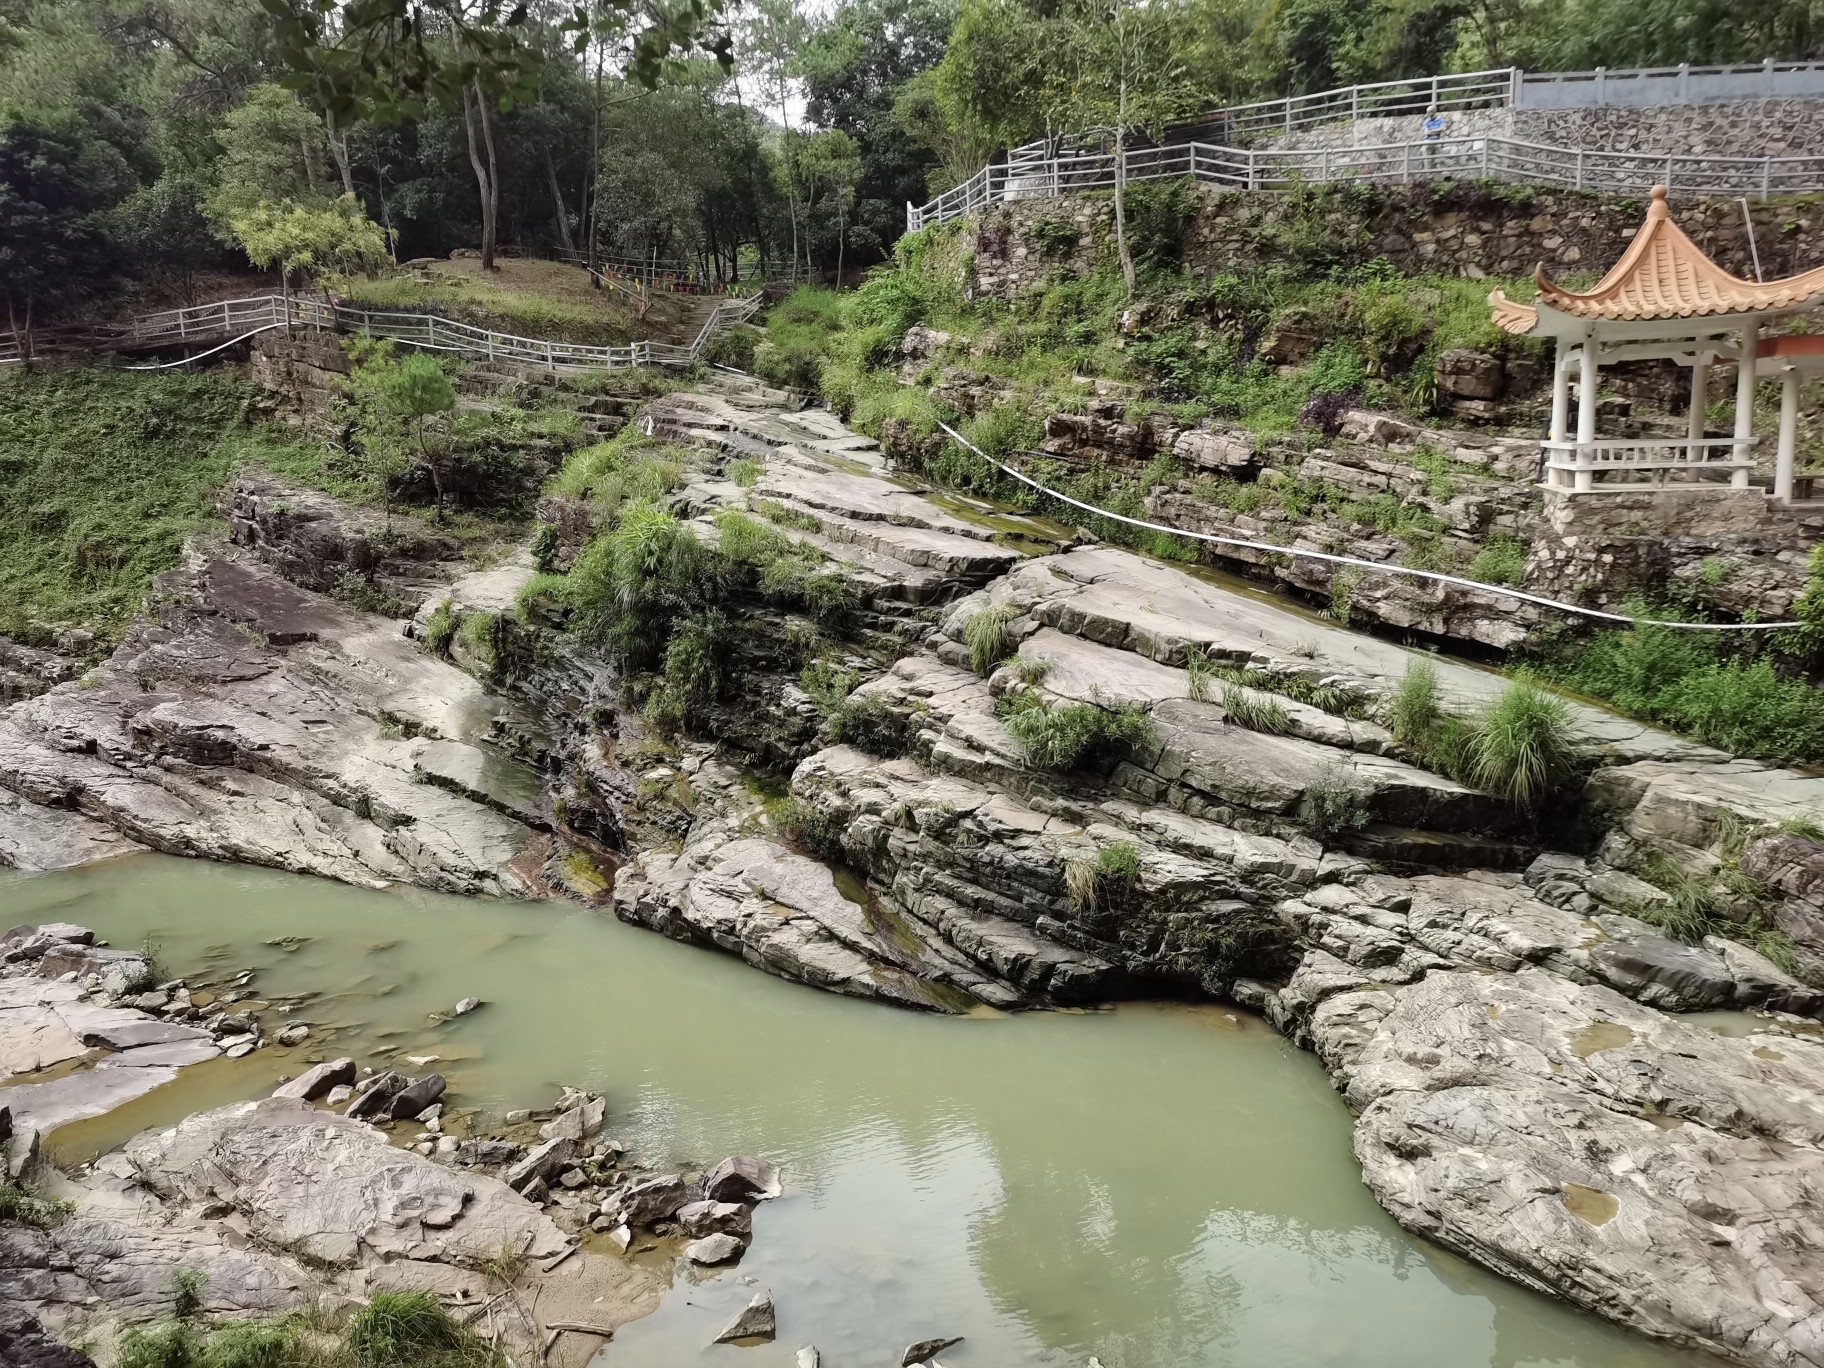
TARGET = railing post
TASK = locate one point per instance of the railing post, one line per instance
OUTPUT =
(1579, 168)
(1406, 164)
(1766, 176)
(1323, 163)
(1601, 88)
(1669, 161)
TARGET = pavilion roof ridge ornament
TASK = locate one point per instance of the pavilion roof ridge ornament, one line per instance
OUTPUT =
(1663, 274)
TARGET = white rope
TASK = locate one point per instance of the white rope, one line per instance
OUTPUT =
(166, 365)
(1377, 566)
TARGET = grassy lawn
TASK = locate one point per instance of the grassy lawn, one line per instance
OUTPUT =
(543, 299)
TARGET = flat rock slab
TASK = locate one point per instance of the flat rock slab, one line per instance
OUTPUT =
(275, 742)
(335, 1189)
(1642, 1167)
(39, 839)
(1156, 610)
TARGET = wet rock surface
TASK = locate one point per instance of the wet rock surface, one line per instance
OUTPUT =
(255, 720)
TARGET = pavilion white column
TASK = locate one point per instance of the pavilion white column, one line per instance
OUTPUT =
(1561, 409)
(1700, 393)
(1789, 432)
(1586, 412)
(1744, 403)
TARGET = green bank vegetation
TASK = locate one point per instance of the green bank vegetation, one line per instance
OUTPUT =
(666, 597)
(394, 1330)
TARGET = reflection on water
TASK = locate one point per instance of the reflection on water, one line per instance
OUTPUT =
(1165, 1187)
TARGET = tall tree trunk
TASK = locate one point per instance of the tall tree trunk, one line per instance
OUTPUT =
(842, 234)
(1121, 243)
(338, 149)
(472, 101)
(557, 200)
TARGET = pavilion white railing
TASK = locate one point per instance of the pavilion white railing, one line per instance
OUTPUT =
(1272, 168)
(1230, 130)
(1624, 464)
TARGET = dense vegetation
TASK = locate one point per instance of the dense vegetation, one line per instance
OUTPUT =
(102, 476)
(765, 135)
(671, 600)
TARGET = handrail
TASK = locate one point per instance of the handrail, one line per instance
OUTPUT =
(1499, 86)
(429, 331)
(1490, 158)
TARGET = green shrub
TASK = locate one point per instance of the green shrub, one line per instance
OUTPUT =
(24, 1204)
(872, 724)
(1118, 863)
(254, 1345)
(1076, 735)
(1254, 712)
(103, 474)
(630, 586)
(407, 1329)
(827, 683)
(1501, 561)
(1523, 746)
(987, 637)
(440, 629)
(806, 823)
(1690, 682)
(784, 515)
(1413, 712)
(1331, 804)
(161, 1344)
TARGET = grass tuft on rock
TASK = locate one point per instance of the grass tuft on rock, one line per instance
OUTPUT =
(1066, 736)
(987, 637)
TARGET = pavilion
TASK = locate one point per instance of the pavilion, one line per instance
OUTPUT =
(1665, 299)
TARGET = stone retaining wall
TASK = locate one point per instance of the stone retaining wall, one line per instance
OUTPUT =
(1749, 128)
(1443, 228)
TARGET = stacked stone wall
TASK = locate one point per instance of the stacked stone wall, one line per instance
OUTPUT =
(1447, 228)
(1748, 128)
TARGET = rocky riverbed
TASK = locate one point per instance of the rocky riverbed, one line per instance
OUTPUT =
(1489, 991)
(345, 1182)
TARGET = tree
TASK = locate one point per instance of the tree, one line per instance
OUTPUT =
(162, 228)
(272, 151)
(54, 185)
(1126, 65)
(856, 70)
(487, 174)
(772, 36)
(301, 237)
(827, 167)
(414, 390)
(396, 59)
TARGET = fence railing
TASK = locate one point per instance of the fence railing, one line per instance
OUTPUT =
(236, 317)
(1501, 159)
(1229, 128)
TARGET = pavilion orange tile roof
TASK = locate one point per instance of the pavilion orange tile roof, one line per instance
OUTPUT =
(1663, 274)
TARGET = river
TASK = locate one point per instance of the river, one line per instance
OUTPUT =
(1163, 1186)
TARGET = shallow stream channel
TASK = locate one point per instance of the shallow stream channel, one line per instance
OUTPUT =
(1161, 1186)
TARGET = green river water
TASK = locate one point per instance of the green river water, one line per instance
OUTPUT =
(1162, 1186)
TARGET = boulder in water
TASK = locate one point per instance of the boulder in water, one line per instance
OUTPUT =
(756, 1321)
(925, 1350)
(742, 1178)
(713, 1249)
(416, 1096)
(318, 1080)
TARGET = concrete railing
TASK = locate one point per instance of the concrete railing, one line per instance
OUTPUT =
(1639, 87)
(1493, 158)
(1503, 87)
